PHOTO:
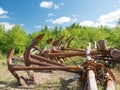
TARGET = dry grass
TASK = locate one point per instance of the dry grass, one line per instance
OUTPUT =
(116, 72)
(57, 80)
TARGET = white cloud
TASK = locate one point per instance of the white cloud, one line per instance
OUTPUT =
(45, 4)
(61, 20)
(38, 26)
(104, 24)
(50, 14)
(110, 17)
(87, 23)
(56, 6)
(7, 25)
(104, 20)
(49, 20)
(50, 4)
(95, 24)
(2, 11)
(4, 16)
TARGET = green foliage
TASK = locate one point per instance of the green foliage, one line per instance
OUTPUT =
(74, 61)
(15, 38)
(118, 23)
(18, 39)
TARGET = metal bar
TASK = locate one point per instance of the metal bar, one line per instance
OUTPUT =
(92, 85)
(74, 69)
(70, 54)
(102, 45)
(91, 81)
(10, 55)
(42, 59)
(57, 41)
(88, 50)
(73, 49)
(110, 83)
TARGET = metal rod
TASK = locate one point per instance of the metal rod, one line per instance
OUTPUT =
(92, 85)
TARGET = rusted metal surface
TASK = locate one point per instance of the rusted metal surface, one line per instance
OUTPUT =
(51, 59)
(90, 71)
(57, 41)
(103, 45)
(110, 82)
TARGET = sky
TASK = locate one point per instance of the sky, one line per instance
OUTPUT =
(33, 15)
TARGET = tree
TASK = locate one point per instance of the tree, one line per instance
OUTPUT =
(2, 37)
(17, 39)
(118, 23)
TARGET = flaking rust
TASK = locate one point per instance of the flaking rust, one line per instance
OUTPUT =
(53, 59)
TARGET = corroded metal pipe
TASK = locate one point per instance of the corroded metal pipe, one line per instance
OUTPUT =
(92, 85)
(110, 83)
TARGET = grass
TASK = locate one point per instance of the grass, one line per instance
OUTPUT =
(116, 72)
(55, 81)
(2, 57)
(74, 61)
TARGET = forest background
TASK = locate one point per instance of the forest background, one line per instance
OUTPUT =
(18, 39)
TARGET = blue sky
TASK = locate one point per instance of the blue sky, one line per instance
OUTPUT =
(33, 15)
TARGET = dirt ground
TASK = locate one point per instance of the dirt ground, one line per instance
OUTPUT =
(57, 80)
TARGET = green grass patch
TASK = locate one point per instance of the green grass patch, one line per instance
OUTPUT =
(74, 61)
